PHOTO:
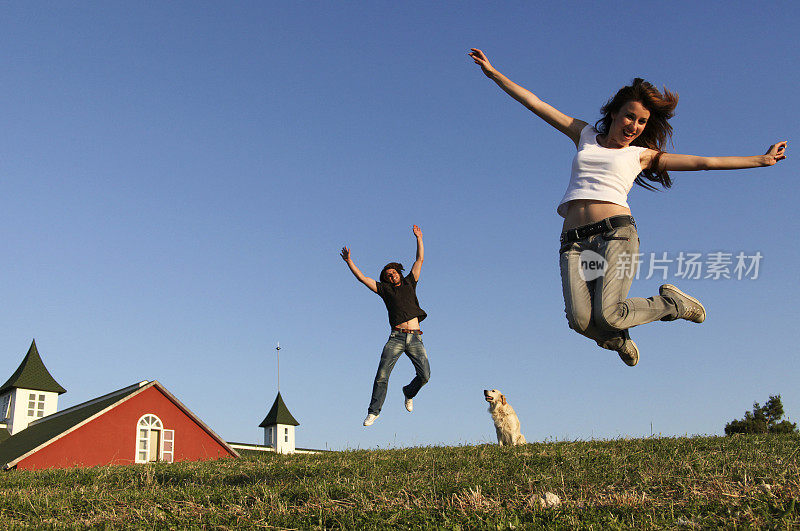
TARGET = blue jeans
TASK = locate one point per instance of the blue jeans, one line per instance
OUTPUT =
(398, 343)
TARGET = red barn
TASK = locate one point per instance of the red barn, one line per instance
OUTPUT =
(138, 424)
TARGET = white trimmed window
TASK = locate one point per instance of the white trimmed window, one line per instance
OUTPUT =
(153, 442)
(285, 434)
(4, 402)
(36, 405)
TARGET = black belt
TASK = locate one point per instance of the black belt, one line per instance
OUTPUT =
(605, 225)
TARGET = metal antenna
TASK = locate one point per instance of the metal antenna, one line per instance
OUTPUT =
(278, 349)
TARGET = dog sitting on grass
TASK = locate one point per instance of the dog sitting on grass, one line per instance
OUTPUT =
(506, 423)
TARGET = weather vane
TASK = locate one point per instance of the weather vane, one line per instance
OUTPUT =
(278, 350)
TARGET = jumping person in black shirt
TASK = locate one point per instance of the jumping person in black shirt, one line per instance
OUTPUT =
(400, 296)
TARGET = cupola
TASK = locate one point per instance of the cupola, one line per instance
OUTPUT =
(29, 394)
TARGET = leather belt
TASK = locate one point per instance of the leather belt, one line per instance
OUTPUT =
(407, 331)
(605, 225)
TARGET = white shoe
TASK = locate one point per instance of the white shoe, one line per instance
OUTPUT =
(689, 308)
(409, 405)
(370, 419)
(629, 353)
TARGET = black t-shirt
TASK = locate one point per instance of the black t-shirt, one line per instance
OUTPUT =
(401, 301)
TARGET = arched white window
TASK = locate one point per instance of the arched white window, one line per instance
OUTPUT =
(153, 442)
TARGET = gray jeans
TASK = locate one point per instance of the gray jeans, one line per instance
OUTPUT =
(596, 300)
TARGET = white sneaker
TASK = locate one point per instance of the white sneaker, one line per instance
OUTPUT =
(370, 419)
(629, 353)
(409, 405)
(689, 308)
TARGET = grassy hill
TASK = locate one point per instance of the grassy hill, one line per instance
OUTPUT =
(694, 482)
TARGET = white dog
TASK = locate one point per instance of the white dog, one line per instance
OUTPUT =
(505, 420)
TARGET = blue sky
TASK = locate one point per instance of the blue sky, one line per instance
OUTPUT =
(177, 180)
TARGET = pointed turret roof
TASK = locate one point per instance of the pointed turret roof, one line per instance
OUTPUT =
(278, 414)
(32, 374)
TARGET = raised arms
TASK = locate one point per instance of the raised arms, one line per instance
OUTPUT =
(674, 161)
(416, 269)
(571, 127)
(368, 282)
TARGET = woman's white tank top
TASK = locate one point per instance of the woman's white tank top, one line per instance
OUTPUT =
(601, 173)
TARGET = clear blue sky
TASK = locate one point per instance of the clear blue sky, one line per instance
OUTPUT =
(177, 180)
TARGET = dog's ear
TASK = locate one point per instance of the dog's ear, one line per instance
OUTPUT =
(503, 399)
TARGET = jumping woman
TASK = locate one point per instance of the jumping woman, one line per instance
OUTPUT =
(625, 146)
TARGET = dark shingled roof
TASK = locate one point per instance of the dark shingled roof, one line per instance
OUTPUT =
(279, 414)
(4, 434)
(45, 429)
(32, 374)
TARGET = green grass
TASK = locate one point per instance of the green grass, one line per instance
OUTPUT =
(699, 482)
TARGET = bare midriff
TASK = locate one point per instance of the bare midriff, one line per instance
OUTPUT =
(411, 324)
(585, 211)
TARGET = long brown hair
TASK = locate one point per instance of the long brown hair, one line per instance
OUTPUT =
(657, 132)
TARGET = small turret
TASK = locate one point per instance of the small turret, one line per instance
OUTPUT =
(279, 427)
(30, 394)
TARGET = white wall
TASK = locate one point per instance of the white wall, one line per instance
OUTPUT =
(279, 438)
(18, 418)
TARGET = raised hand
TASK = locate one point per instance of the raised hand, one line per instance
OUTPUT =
(417, 231)
(480, 59)
(345, 254)
(775, 153)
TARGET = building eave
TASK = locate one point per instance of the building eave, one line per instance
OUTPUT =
(195, 418)
(13, 463)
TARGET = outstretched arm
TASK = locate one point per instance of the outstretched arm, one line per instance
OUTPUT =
(673, 161)
(368, 282)
(571, 127)
(416, 269)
